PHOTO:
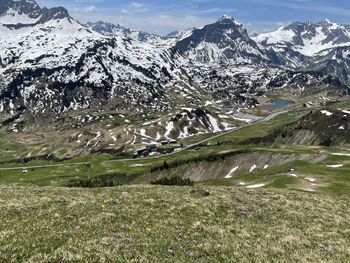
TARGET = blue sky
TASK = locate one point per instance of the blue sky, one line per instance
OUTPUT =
(163, 16)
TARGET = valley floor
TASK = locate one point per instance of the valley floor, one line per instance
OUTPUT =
(172, 224)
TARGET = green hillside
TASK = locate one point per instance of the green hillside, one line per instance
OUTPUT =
(172, 224)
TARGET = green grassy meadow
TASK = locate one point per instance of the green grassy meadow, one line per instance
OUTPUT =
(297, 209)
(211, 154)
(172, 224)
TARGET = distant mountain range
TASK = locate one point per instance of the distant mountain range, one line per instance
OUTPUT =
(51, 64)
(307, 38)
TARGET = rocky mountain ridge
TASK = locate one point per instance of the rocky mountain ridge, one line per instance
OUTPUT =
(52, 64)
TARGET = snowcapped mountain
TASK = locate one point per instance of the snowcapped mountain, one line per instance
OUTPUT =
(172, 38)
(17, 14)
(107, 29)
(307, 38)
(51, 64)
(222, 59)
(320, 47)
(334, 62)
(224, 41)
(112, 30)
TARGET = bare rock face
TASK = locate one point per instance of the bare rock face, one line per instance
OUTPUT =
(27, 7)
(225, 40)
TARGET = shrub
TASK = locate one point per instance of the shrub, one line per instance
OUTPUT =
(178, 181)
(106, 180)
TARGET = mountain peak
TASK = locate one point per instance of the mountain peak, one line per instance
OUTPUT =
(327, 23)
(18, 11)
(27, 12)
(22, 6)
(55, 13)
(221, 42)
(103, 24)
(113, 30)
(227, 19)
(307, 38)
(326, 20)
(107, 29)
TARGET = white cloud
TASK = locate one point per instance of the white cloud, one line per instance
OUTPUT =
(90, 9)
(137, 5)
(126, 12)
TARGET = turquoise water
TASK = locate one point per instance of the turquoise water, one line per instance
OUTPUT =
(278, 104)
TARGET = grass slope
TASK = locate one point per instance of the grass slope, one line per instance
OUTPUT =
(172, 224)
(47, 173)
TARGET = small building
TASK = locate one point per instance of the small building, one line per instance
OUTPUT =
(152, 147)
(143, 152)
(177, 146)
(172, 141)
(166, 149)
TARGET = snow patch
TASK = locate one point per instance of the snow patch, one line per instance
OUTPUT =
(136, 165)
(252, 168)
(326, 112)
(254, 186)
(309, 190)
(335, 165)
(214, 123)
(341, 154)
(229, 175)
(311, 180)
(169, 128)
(242, 119)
